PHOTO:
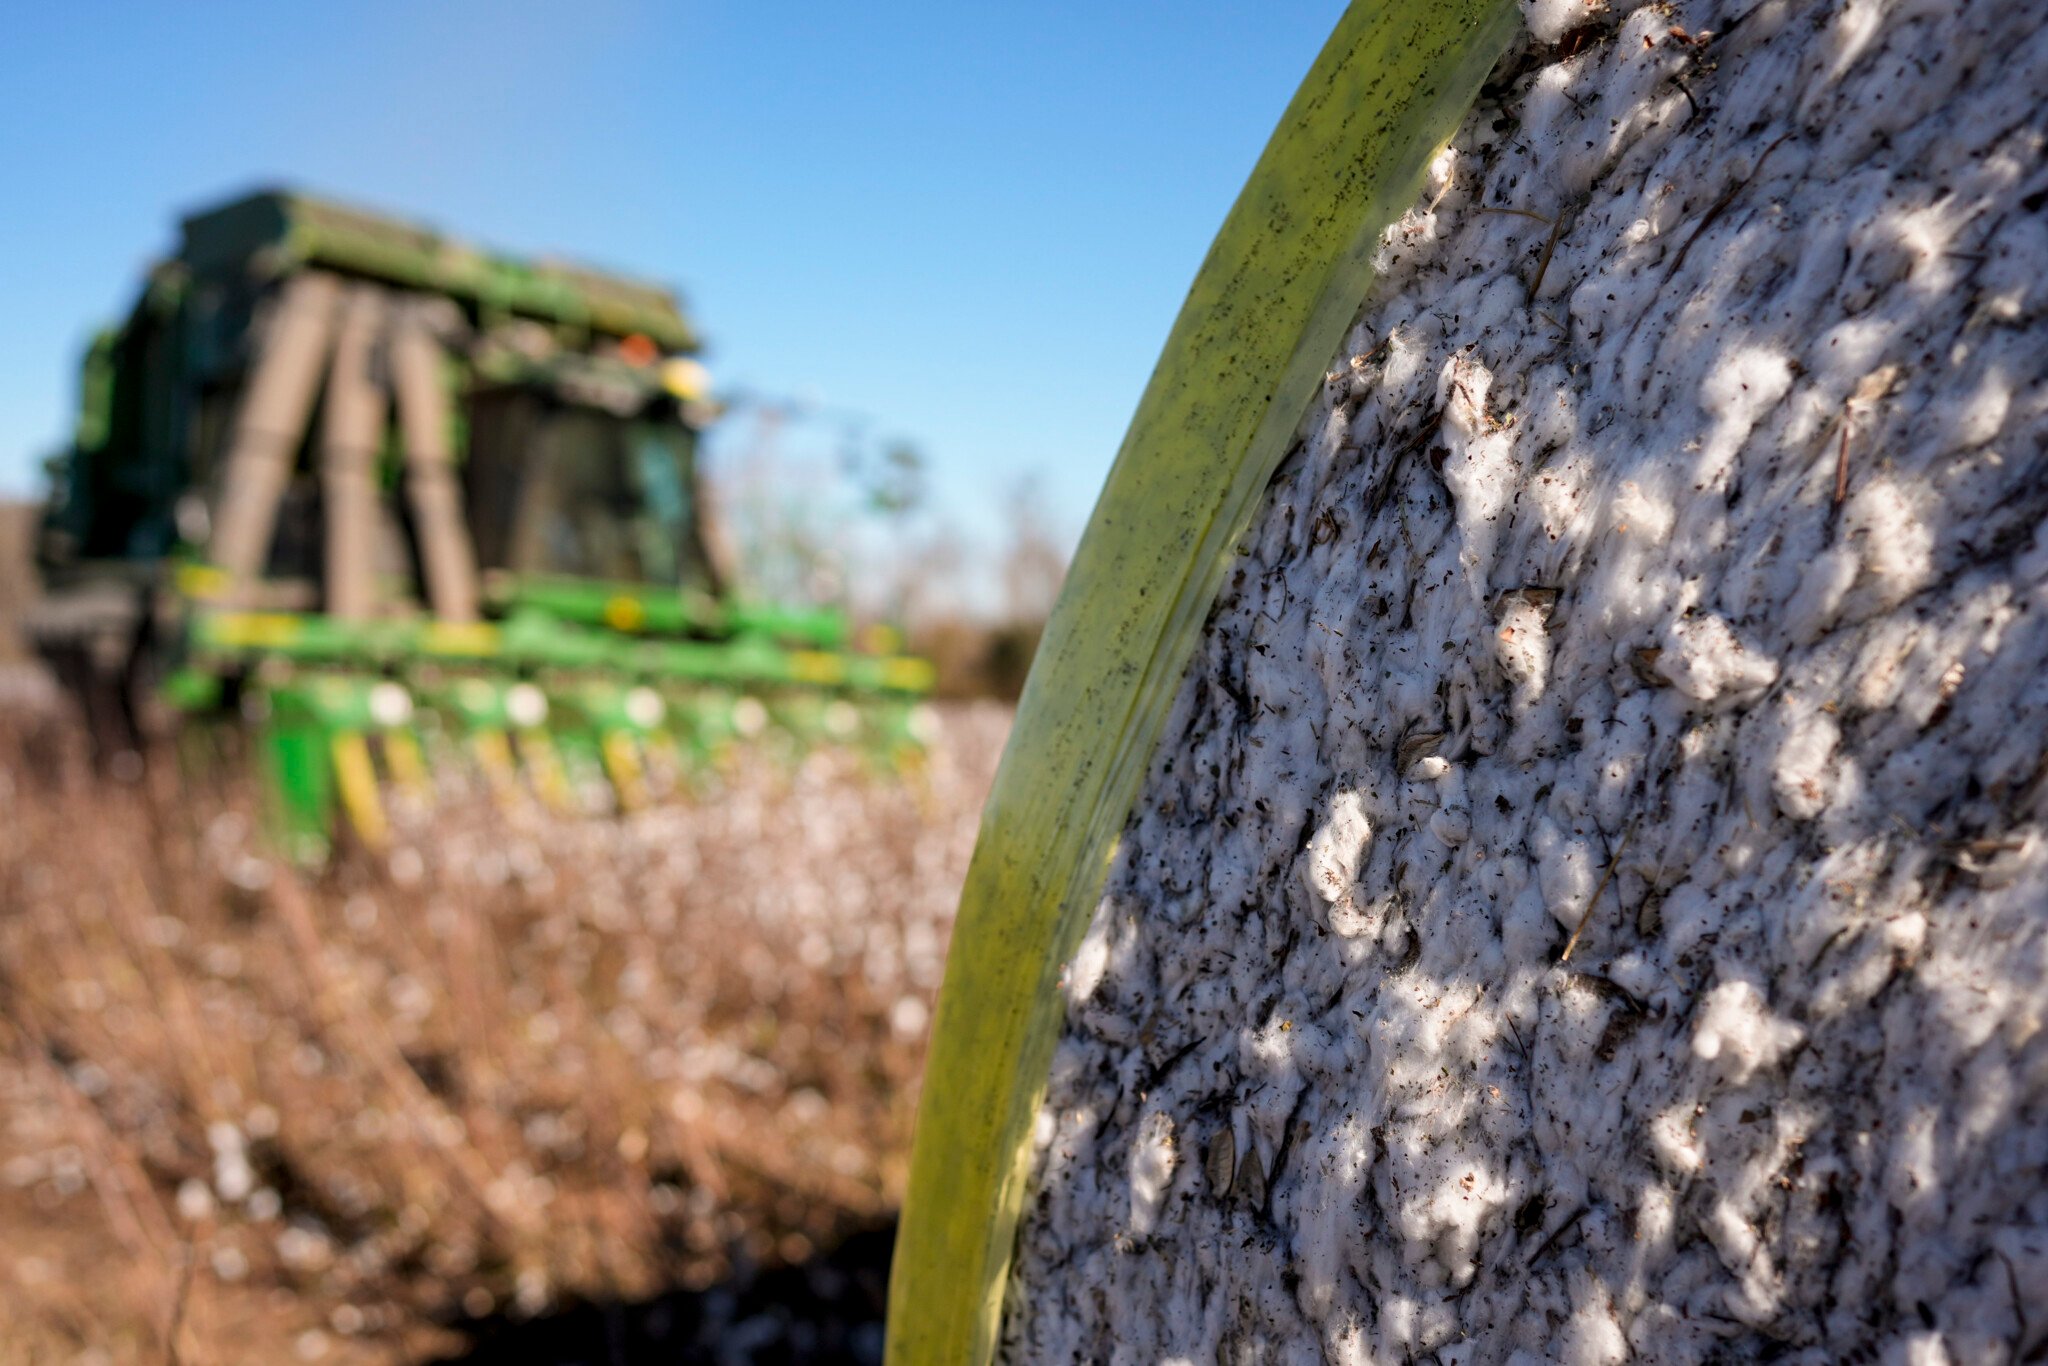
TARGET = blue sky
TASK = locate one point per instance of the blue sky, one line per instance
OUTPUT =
(973, 223)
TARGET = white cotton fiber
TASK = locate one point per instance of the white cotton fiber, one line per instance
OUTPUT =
(1690, 607)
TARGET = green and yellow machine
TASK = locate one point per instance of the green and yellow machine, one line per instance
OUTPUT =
(392, 498)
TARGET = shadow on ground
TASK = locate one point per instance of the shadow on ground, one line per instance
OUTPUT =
(826, 1311)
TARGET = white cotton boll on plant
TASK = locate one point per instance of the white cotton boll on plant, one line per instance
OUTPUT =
(195, 1200)
(908, 1017)
(233, 1177)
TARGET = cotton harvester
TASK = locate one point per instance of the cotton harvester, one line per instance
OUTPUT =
(390, 498)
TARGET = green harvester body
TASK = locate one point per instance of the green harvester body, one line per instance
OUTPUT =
(395, 499)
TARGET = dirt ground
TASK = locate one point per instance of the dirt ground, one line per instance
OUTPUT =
(518, 1089)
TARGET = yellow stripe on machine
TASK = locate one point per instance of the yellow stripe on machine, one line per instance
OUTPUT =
(408, 764)
(543, 765)
(255, 630)
(909, 674)
(1266, 312)
(466, 638)
(621, 753)
(355, 777)
(493, 752)
(815, 666)
(203, 582)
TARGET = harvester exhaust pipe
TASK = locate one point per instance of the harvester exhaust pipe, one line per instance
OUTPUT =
(447, 559)
(352, 427)
(270, 425)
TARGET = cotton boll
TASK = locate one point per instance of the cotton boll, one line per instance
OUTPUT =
(1843, 354)
(233, 1177)
(1736, 1031)
(1800, 775)
(2030, 567)
(1452, 825)
(1674, 1142)
(1550, 20)
(1352, 918)
(1522, 648)
(1528, 931)
(1468, 1196)
(1462, 388)
(1744, 383)
(1704, 659)
(1348, 1345)
(1854, 27)
(1896, 545)
(2011, 283)
(1337, 849)
(1153, 1160)
(1643, 510)
(1921, 1349)
(1338, 1164)
(1442, 175)
(1592, 1336)
(1091, 959)
(1753, 1298)
(1566, 869)
(1823, 585)
(195, 1200)
(1879, 673)
(1429, 768)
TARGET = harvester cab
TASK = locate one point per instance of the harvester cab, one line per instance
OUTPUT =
(395, 500)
